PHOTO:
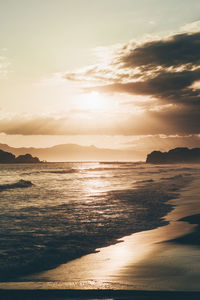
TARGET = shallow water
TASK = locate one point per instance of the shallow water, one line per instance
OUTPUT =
(146, 260)
(73, 208)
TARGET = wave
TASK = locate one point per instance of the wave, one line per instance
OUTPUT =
(145, 181)
(130, 163)
(175, 177)
(100, 169)
(186, 169)
(106, 169)
(30, 173)
(56, 234)
(61, 171)
(19, 184)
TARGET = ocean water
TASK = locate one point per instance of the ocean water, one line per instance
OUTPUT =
(54, 212)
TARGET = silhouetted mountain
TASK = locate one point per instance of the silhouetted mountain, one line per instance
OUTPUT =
(9, 158)
(177, 155)
(73, 152)
(27, 158)
(6, 157)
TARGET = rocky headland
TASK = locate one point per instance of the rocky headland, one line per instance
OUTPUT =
(9, 158)
(176, 155)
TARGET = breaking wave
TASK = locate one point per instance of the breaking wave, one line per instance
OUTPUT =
(61, 171)
(145, 181)
(54, 234)
(19, 184)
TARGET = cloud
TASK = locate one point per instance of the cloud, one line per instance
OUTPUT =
(166, 70)
(163, 69)
(145, 59)
(31, 125)
(163, 73)
(164, 142)
(168, 120)
(171, 87)
(4, 65)
(96, 74)
(174, 51)
(191, 27)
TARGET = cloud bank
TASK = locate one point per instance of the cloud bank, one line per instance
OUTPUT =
(166, 70)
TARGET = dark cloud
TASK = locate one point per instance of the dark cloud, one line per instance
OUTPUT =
(165, 70)
(169, 120)
(178, 50)
(179, 119)
(173, 87)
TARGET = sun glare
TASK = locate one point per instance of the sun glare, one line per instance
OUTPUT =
(94, 102)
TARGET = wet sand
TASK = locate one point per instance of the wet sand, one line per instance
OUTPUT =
(153, 261)
(192, 238)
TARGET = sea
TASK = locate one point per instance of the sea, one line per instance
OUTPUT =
(51, 213)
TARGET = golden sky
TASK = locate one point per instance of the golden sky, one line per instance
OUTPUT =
(109, 73)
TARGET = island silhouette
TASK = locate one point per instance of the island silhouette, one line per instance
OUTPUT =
(176, 155)
(9, 158)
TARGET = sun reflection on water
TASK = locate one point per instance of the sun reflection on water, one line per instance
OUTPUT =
(97, 181)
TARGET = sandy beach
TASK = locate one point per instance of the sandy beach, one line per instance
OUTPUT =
(159, 260)
(100, 149)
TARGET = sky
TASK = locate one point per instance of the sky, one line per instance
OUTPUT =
(111, 73)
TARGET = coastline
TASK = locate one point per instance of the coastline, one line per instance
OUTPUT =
(192, 238)
(137, 209)
(145, 260)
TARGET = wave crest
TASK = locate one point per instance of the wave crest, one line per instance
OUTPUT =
(19, 184)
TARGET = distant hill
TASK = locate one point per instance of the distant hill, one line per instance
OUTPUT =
(9, 158)
(177, 155)
(73, 152)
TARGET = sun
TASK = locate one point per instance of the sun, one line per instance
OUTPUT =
(94, 102)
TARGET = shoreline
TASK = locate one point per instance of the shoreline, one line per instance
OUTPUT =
(145, 261)
(152, 198)
(192, 238)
